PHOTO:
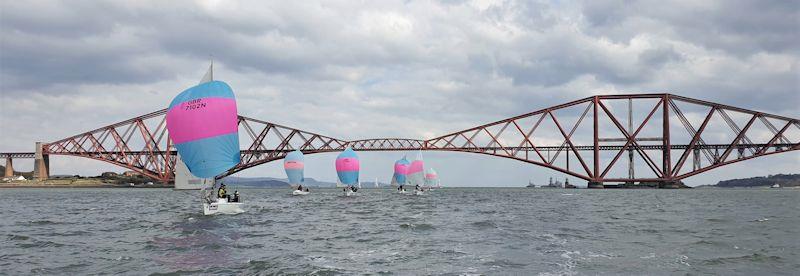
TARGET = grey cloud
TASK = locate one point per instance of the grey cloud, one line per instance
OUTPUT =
(561, 59)
(659, 56)
(739, 27)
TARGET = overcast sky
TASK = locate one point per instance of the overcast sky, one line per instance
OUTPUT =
(414, 69)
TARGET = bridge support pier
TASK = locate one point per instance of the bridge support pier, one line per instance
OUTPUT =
(41, 163)
(9, 167)
(595, 185)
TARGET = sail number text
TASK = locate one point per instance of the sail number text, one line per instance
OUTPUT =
(194, 104)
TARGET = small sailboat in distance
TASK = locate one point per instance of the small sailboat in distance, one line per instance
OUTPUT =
(203, 124)
(400, 174)
(416, 174)
(432, 178)
(347, 168)
(294, 165)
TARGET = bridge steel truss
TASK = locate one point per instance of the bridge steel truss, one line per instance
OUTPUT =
(141, 144)
(672, 157)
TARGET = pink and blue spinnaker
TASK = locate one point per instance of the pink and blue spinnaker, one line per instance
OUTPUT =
(400, 171)
(203, 124)
(347, 167)
(294, 165)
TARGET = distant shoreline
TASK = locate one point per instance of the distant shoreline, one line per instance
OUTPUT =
(78, 187)
(76, 183)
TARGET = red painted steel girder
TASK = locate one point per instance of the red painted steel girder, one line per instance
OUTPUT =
(665, 105)
(141, 143)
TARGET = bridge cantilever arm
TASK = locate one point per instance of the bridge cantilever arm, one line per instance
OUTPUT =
(154, 156)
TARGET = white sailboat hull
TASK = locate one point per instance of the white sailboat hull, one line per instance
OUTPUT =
(299, 193)
(418, 192)
(350, 193)
(222, 206)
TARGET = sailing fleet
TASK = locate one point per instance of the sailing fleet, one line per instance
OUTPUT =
(202, 123)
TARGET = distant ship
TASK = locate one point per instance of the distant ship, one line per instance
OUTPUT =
(567, 185)
(552, 184)
(775, 186)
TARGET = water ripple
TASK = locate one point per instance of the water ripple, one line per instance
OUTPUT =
(446, 232)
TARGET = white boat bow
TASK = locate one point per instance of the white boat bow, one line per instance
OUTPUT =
(222, 206)
(299, 192)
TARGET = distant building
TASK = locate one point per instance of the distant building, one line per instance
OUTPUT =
(131, 173)
(109, 174)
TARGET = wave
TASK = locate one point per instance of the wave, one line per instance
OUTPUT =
(417, 227)
(752, 258)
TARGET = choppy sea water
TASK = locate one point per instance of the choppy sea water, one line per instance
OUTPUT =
(454, 231)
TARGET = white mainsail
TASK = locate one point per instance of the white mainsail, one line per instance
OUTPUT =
(185, 180)
(209, 76)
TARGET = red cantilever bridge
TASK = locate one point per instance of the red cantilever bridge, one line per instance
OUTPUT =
(656, 133)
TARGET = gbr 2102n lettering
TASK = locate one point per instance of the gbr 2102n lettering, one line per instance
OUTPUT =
(194, 104)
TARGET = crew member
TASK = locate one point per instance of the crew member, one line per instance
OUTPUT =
(235, 196)
(221, 193)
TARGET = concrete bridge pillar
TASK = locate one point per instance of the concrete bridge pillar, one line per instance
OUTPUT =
(595, 185)
(9, 167)
(41, 163)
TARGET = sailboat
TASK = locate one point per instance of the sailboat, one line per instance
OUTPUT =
(400, 174)
(202, 122)
(376, 183)
(347, 167)
(432, 178)
(293, 165)
(416, 174)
